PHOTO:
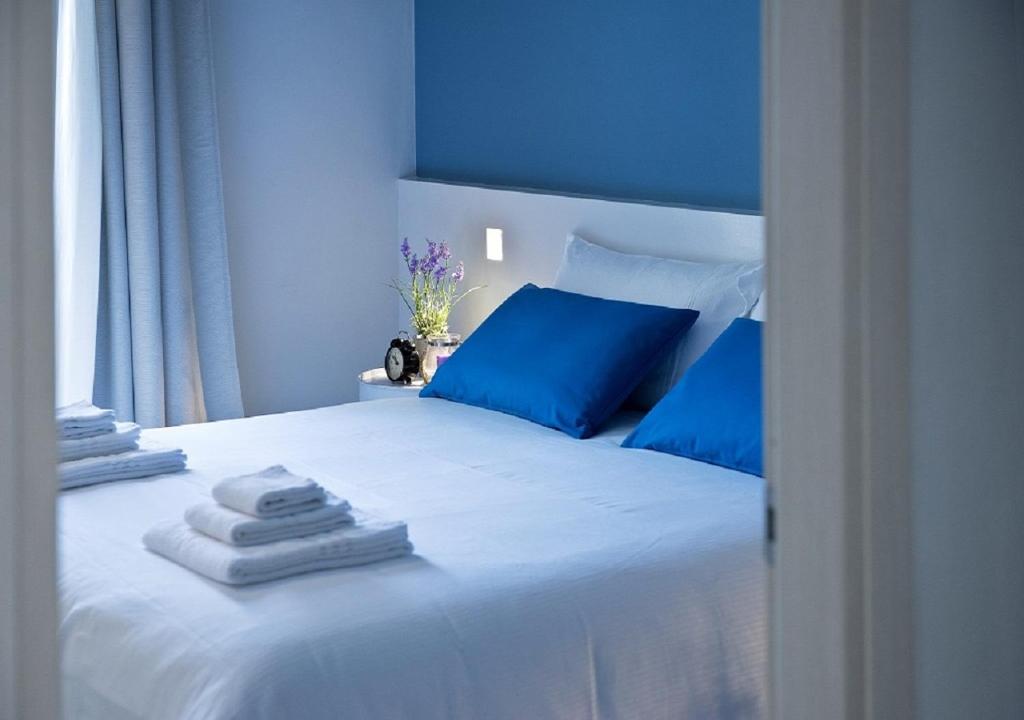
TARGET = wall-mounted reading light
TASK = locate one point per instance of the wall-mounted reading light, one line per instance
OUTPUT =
(494, 249)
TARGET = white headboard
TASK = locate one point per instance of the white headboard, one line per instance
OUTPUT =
(535, 225)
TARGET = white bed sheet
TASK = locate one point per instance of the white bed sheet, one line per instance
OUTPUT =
(553, 578)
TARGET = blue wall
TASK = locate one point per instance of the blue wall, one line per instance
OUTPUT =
(643, 99)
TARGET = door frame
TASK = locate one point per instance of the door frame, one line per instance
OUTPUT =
(836, 205)
(28, 596)
(836, 168)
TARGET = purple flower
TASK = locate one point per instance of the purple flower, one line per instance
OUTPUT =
(430, 261)
(435, 263)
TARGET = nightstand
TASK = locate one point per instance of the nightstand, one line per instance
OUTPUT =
(374, 385)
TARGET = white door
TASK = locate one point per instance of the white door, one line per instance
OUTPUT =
(894, 199)
(28, 611)
(836, 205)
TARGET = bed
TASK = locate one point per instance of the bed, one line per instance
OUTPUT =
(552, 578)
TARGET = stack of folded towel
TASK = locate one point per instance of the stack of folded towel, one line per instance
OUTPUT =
(94, 448)
(83, 420)
(273, 524)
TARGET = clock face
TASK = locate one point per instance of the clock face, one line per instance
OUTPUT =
(394, 364)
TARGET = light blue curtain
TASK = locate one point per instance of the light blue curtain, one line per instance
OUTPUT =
(165, 346)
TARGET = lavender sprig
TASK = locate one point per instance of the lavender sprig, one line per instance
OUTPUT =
(432, 290)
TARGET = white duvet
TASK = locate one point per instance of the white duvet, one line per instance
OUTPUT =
(552, 578)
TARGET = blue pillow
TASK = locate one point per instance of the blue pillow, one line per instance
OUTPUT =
(714, 413)
(560, 359)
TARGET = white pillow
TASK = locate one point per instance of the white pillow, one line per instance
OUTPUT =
(758, 312)
(721, 292)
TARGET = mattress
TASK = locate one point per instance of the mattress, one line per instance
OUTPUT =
(552, 578)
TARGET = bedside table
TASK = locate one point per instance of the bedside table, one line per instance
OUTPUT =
(374, 385)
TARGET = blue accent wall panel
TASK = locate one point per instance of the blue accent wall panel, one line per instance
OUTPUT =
(654, 100)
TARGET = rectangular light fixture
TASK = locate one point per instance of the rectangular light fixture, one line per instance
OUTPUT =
(494, 242)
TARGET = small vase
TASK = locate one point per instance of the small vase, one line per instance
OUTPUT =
(438, 349)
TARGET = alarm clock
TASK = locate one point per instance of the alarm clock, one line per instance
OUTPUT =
(401, 362)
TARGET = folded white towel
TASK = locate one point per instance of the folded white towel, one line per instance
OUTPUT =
(237, 528)
(83, 419)
(124, 438)
(150, 459)
(271, 492)
(369, 540)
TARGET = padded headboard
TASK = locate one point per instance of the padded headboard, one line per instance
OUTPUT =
(535, 225)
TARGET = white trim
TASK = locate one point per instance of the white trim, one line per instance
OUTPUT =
(578, 195)
(836, 162)
(28, 605)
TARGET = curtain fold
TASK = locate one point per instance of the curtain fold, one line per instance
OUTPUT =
(165, 347)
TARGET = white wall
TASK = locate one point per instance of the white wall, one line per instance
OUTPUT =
(967, 355)
(316, 104)
(535, 225)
